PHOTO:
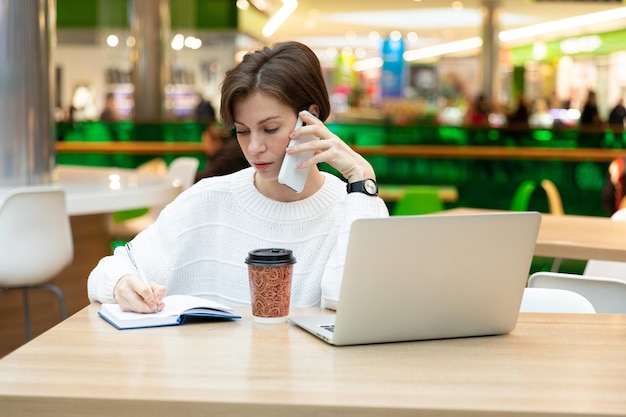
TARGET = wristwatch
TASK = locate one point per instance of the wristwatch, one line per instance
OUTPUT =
(367, 186)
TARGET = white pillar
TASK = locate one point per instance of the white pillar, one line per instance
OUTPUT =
(150, 25)
(491, 50)
(27, 142)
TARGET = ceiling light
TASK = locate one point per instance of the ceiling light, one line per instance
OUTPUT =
(516, 34)
(562, 24)
(367, 64)
(112, 41)
(395, 35)
(259, 4)
(178, 42)
(442, 49)
(289, 6)
(192, 42)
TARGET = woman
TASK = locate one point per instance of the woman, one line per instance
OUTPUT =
(198, 244)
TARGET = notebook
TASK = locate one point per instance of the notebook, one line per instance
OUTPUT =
(426, 277)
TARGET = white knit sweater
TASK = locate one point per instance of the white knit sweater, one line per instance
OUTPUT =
(199, 242)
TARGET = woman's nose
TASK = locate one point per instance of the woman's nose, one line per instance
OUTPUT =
(257, 144)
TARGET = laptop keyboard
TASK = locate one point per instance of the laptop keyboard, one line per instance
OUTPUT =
(329, 327)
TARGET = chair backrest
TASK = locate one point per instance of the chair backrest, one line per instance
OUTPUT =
(619, 215)
(183, 171)
(418, 200)
(523, 193)
(607, 295)
(550, 300)
(608, 269)
(35, 235)
(155, 166)
(554, 197)
(521, 197)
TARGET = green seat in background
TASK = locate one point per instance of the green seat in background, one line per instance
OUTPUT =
(551, 198)
(521, 197)
(418, 200)
(548, 201)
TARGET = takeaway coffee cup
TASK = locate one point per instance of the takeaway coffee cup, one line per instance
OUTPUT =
(270, 271)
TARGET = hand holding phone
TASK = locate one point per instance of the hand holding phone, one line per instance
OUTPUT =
(290, 175)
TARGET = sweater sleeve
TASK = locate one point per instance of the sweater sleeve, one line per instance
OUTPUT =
(104, 276)
(357, 205)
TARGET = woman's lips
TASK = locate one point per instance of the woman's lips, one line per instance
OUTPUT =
(262, 166)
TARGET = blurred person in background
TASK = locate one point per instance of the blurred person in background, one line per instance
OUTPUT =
(108, 113)
(613, 190)
(589, 115)
(519, 116)
(617, 114)
(222, 151)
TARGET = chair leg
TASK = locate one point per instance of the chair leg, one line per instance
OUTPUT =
(556, 265)
(46, 287)
(59, 294)
(29, 334)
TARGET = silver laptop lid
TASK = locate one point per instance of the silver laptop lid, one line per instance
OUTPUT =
(434, 276)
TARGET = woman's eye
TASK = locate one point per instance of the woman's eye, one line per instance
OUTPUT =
(241, 132)
(272, 130)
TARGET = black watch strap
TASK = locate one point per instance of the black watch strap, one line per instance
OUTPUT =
(367, 186)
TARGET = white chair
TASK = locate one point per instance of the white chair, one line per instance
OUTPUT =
(549, 300)
(181, 171)
(155, 166)
(36, 242)
(607, 295)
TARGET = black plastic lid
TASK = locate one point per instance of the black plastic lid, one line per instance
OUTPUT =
(270, 256)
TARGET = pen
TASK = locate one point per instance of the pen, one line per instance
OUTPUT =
(141, 275)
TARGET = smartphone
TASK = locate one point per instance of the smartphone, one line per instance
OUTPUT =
(290, 175)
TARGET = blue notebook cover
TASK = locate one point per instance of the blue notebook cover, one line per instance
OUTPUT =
(177, 309)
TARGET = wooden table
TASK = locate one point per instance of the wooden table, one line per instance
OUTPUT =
(135, 147)
(581, 237)
(393, 193)
(550, 365)
(575, 237)
(491, 152)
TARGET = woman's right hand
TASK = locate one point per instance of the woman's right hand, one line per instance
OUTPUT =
(132, 294)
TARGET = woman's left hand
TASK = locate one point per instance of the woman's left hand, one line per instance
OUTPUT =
(330, 149)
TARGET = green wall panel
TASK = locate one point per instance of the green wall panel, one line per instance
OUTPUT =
(80, 14)
(208, 14)
(216, 14)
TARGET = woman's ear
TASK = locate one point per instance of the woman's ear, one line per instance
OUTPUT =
(314, 110)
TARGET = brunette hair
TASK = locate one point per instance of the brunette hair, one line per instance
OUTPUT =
(289, 71)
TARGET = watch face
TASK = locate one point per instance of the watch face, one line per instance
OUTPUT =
(370, 187)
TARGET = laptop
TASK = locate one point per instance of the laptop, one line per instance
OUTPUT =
(424, 277)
